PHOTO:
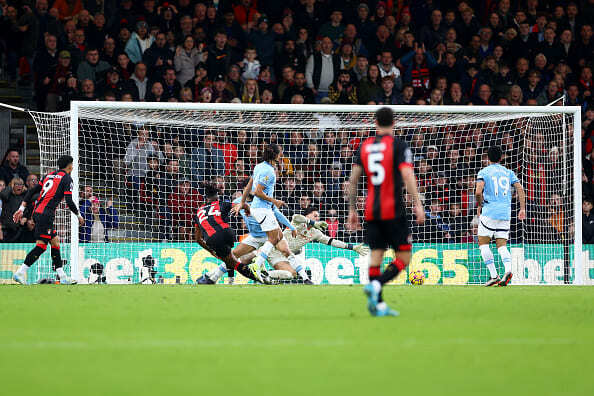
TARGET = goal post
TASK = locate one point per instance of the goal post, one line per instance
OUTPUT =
(192, 142)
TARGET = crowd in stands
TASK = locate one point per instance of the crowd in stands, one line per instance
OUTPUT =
(411, 52)
(15, 180)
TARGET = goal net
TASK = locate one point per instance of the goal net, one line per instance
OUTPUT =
(139, 168)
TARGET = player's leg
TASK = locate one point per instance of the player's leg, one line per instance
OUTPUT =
(43, 234)
(283, 271)
(505, 255)
(268, 224)
(57, 262)
(30, 259)
(486, 231)
(283, 248)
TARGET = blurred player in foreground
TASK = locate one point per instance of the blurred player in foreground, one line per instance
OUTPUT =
(213, 233)
(309, 229)
(388, 164)
(55, 186)
(493, 198)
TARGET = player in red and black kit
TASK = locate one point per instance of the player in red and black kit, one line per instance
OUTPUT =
(55, 186)
(213, 233)
(388, 164)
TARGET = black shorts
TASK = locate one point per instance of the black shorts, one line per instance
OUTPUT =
(44, 227)
(389, 233)
(222, 242)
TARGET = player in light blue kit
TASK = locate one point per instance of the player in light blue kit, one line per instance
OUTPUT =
(261, 185)
(493, 198)
(256, 239)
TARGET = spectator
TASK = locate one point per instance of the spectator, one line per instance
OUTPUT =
(158, 57)
(44, 67)
(250, 65)
(11, 167)
(98, 221)
(534, 87)
(108, 52)
(12, 197)
(549, 95)
(342, 91)
(321, 69)
(207, 161)
(171, 87)
(219, 55)
(430, 36)
(288, 80)
(220, 94)
(587, 221)
(299, 88)
(92, 68)
(370, 87)
(250, 92)
(388, 96)
(184, 203)
(140, 81)
(418, 65)
(360, 68)
(187, 57)
(136, 156)
(333, 29)
(57, 85)
(139, 42)
(156, 94)
(387, 68)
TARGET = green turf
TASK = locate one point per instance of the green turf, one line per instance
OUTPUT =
(295, 340)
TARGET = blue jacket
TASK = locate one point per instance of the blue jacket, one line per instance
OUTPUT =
(109, 218)
(408, 62)
(133, 49)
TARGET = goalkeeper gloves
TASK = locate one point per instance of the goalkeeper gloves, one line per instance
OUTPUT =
(361, 249)
(299, 219)
(321, 225)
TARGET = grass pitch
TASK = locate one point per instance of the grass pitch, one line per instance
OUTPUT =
(295, 340)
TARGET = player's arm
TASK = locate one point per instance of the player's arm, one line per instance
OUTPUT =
(201, 242)
(282, 219)
(259, 192)
(337, 243)
(410, 181)
(242, 202)
(356, 173)
(16, 217)
(478, 194)
(522, 199)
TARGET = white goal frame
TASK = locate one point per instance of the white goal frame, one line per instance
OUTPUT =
(76, 106)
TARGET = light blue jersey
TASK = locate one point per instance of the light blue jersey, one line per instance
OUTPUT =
(497, 193)
(265, 175)
(254, 227)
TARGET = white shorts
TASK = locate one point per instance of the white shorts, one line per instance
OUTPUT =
(266, 218)
(498, 229)
(254, 242)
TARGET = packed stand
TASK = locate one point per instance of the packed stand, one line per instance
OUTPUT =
(308, 51)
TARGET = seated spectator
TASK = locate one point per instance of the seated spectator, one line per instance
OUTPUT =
(250, 66)
(387, 68)
(408, 93)
(206, 160)
(342, 91)
(183, 203)
(92, 68)
(299, 88)
(534, 87)
(11, 167)
(137, 153)
(139, 42)
(250, 93)
(370, 87)
(125, 67)
(115, 84)
(187, 57)
(347, 57)
(171, 87)
(140, 80)
(12, 197)
(158, 57)
(550, 94)
(98, 221)
(156, 94)
(220, 94)
(588, 221)
(388, 96)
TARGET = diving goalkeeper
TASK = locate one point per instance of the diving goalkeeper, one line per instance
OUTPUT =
(309, 229)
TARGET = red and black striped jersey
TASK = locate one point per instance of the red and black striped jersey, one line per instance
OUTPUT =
(53, 188)
(213, 217)
(382, 157)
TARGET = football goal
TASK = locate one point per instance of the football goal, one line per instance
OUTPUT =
(139, 167)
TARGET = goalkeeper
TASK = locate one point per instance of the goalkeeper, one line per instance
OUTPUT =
(309, 229)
